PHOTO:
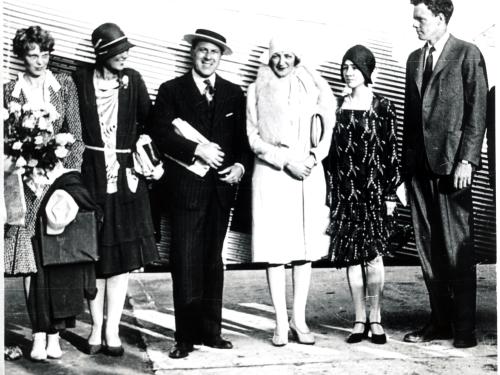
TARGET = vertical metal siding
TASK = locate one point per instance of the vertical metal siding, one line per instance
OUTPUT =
(162, 59)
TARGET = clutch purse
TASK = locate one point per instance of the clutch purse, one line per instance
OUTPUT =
(317, 129)
(77, 244)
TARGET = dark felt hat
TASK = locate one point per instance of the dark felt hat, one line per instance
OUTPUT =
(209, 36)
(363, 59)
(109, 40)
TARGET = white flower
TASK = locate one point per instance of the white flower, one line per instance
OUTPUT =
(38, 140)
(42, 123)
(27, 107)
(64, 139)
(14, 107)
(52, 113)
(32, 163)
(28, 122)
(21, 162)
(61, 152)
(124, 81)
(17, 145)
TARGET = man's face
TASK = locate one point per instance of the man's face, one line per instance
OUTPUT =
(206, 58)
(426, 24)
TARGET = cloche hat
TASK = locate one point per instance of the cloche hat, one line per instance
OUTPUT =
(363, 59)
(209, 36)
(109, 40)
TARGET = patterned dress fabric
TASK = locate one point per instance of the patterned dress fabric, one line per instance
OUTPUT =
(61, 92)
(363, 175)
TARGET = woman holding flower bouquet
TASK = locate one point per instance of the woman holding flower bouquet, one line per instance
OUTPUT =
(42, 106)
(114, 106)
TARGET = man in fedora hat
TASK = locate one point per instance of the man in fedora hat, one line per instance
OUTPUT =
(199, 205)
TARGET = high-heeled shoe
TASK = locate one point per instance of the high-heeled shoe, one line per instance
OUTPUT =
(306, 338)
(354, 338)
(378, 338)
(280, 338)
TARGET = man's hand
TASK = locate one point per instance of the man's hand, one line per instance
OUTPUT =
(232, 174)
(462, 176)
(390, 206)
(299, 169)
(210, 153)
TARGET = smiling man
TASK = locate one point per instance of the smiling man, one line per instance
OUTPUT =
(199, 206)
(444, 124)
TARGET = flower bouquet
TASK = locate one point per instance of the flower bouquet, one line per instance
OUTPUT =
(31, 152)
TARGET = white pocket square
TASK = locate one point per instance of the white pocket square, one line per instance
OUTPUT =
(229, 114)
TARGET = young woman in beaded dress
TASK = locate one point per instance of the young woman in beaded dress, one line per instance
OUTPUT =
(363, 176)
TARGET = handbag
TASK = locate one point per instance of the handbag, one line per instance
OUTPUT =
(77, 244)
(317, 129)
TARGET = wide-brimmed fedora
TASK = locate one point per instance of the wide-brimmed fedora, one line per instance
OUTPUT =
(109, 40)
(209, 36)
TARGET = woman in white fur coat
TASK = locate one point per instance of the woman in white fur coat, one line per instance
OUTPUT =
(289, 212)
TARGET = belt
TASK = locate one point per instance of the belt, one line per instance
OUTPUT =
(117, 150)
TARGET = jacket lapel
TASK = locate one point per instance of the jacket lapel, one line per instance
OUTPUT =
(195, 101)
(444, 57)
(219, 99)
(419, 71)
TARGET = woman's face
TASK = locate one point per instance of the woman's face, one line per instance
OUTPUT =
(352, 75)
(117, 63)
(36, 61)
(282, 63)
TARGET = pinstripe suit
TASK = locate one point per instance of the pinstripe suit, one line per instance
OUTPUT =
(198, 206)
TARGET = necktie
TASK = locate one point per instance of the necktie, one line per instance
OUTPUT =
(428, 68)
(209, 91)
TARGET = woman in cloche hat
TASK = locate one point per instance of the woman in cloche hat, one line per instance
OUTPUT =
(364, 175)
(114, 105)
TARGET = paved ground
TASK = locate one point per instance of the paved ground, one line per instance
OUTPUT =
(148, 323)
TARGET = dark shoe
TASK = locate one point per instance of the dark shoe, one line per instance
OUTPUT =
(428, 333)
(180, 350)
(92, 349)
(464, 340)
(354, 338)
(378, 338)
(113, 351)
(218, 343)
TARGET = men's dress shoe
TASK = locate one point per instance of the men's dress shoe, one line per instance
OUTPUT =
(180, 350)
(428, 333)
(354, 338)
(113, 351)
(463, 341)
(219, 343)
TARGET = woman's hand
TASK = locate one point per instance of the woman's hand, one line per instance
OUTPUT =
(299, 169)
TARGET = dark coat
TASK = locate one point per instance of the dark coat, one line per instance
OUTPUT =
(57, 293)
(180, 98)
(451, 112)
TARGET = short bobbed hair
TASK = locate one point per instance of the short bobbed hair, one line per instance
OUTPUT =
(25, 39)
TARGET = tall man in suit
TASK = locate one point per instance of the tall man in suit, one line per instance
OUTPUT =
(199, 206)
(444, 124)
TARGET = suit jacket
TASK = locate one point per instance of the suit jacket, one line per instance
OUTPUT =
(180, 98)
(451, 113)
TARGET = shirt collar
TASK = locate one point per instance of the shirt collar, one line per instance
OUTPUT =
(199, 81)
(50, 81)
(439, 45)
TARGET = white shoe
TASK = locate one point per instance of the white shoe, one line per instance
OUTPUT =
(38, 352)
(53, 348)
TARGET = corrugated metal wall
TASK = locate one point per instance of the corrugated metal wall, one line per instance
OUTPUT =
(162, 59)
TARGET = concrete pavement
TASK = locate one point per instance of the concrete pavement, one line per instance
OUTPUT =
(148, 324)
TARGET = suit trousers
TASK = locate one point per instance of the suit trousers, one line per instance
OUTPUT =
(442, 220)
(198, 271)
